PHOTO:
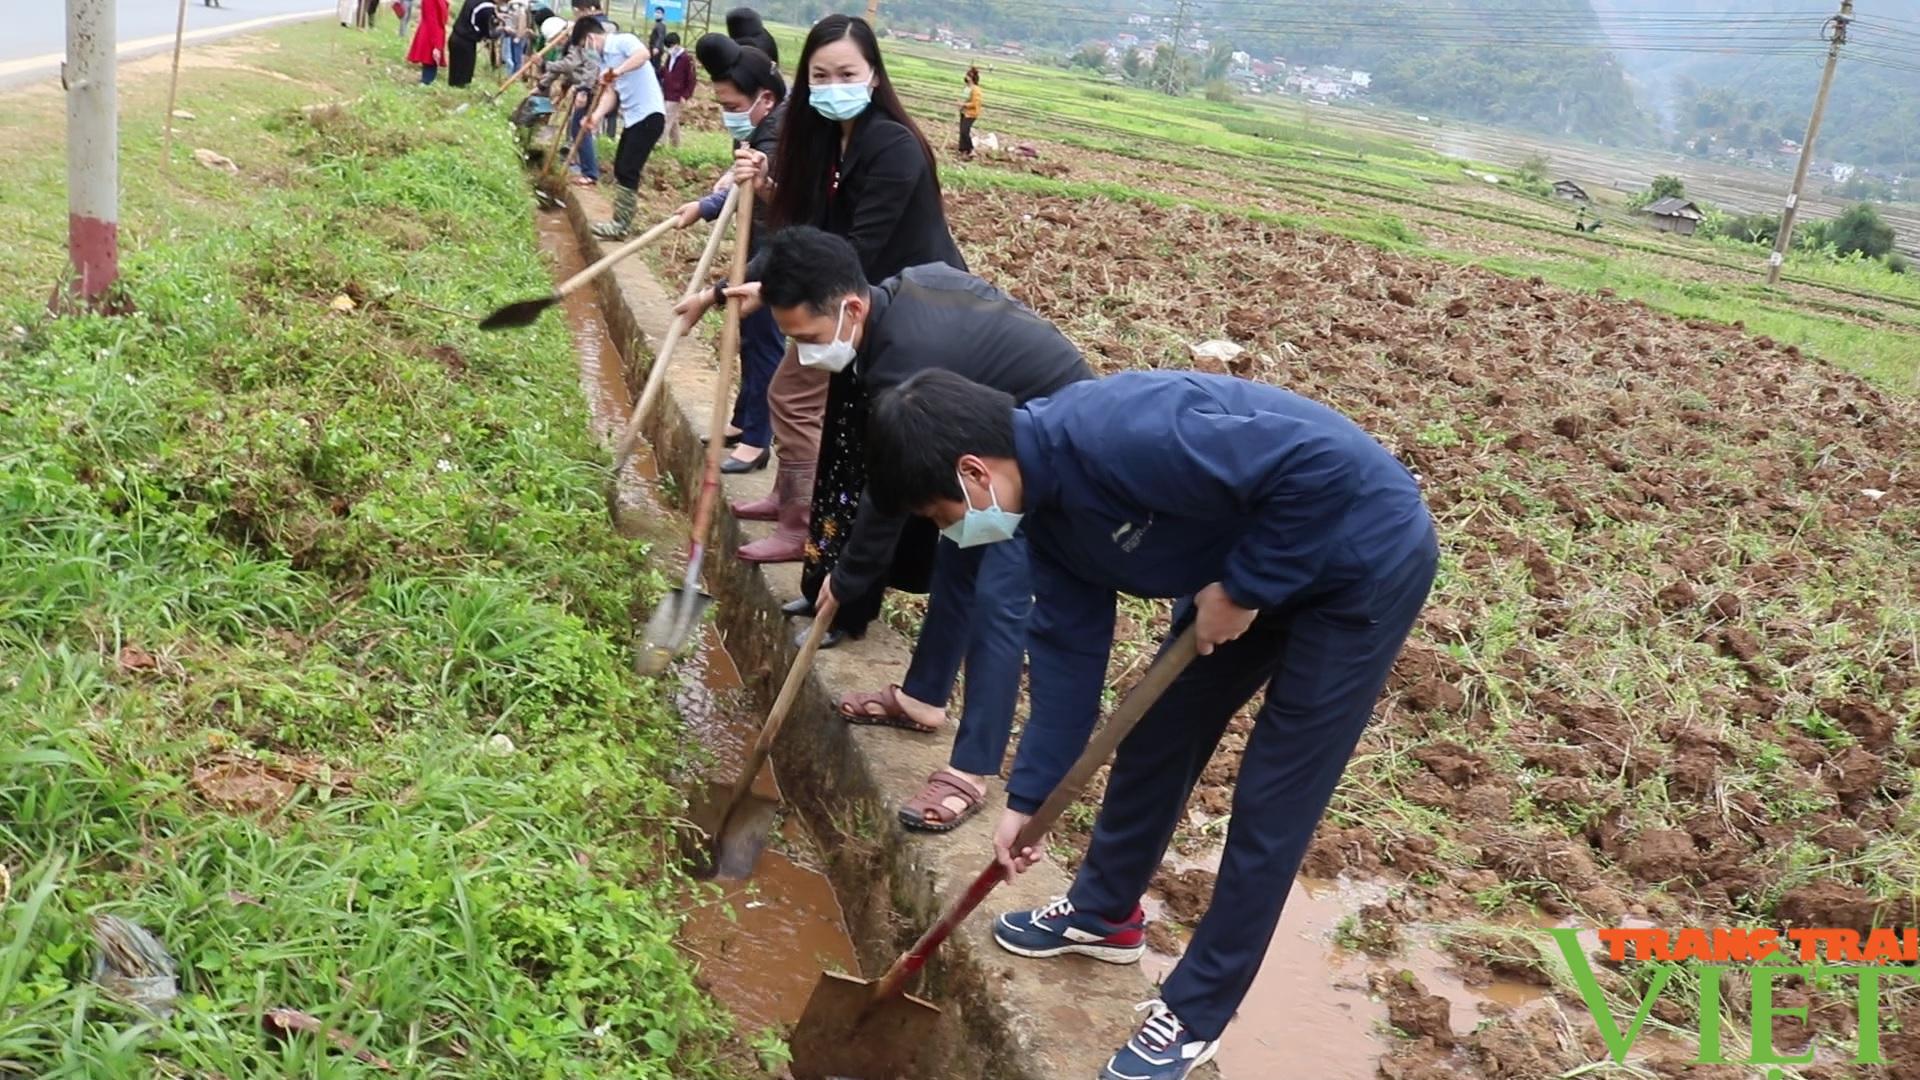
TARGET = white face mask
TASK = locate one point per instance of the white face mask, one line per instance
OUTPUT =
(834, 356)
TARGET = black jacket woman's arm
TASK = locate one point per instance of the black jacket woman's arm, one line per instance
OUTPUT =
(891, 169)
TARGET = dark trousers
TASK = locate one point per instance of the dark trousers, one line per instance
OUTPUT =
(460, 56)
(636, 146)
(1323, 665)
(977, 613)
(966, 134)
(761, 347)
(588, 160)
(427, 72)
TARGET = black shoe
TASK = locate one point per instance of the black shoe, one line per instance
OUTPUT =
(734, 466)
(794, 609)
(729, 442)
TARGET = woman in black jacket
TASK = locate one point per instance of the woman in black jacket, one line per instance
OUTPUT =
(475, 24)
(851, 162)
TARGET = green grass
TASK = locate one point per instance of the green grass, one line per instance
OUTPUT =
(1876, 351)
(359, 560)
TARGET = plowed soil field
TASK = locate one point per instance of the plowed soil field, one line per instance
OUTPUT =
(1672, 666)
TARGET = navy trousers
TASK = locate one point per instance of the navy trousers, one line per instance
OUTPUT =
(976, 614)
(1324, 665)
(761, 347)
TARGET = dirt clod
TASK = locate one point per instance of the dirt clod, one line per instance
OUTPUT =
(1414, 1010)
(1186, 893)
(1660, 855)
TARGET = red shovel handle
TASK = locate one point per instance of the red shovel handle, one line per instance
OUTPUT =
(1166, 668)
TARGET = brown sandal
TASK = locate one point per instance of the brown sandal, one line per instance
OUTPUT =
(857, 708)
(942, 785)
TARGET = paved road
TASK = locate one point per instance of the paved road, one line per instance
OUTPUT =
(37, 29)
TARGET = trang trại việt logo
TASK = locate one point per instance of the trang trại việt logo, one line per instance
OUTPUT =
(1860, 965)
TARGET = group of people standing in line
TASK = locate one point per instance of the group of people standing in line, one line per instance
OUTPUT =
(935, 435)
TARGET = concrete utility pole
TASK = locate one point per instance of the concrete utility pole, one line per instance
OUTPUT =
(873, 12)
(93, 161)
(1835, 32)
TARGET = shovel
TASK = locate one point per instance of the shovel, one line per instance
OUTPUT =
(656, 378)
(744, 821)
(873, 1030)
(523, 312)
(673, 622)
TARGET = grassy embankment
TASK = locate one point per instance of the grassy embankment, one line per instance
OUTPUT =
(312, 624)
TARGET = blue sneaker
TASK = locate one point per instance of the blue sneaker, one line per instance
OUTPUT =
(1163, 1049)
(1057, 929)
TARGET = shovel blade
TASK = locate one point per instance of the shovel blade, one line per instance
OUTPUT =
(669, 629)
(843, 1033)
(517, 314)
(738, 844)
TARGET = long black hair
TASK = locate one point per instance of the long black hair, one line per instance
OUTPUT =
(808, 141)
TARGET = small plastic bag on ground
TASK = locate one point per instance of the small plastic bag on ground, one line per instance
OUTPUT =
(134, 966)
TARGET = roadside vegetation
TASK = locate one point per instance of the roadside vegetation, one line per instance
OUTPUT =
(312, 624)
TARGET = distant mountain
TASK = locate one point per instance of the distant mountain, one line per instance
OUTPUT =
(1523, 63)
(1746, 99)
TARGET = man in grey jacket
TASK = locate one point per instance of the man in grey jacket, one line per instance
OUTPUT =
(930, 316)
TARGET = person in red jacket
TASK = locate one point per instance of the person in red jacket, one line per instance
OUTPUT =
(676, 85)
(430, 39)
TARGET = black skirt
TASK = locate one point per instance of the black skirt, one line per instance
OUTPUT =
(460, 55)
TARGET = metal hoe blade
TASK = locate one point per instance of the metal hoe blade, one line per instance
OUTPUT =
(669, 629)
(845, 1033)
(519, 313)
(736, 838)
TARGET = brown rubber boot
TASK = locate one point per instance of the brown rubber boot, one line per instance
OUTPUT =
(794, 487)
(766, 507)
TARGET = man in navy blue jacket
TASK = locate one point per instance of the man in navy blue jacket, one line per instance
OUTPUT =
(1301, 550)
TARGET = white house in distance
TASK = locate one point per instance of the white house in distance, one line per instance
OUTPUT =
(1363, 79)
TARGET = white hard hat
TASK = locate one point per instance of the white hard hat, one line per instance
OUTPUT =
(552, 27)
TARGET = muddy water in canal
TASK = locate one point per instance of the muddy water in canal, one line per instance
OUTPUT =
(760, 944)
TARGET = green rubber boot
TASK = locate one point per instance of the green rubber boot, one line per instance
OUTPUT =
(621, 226)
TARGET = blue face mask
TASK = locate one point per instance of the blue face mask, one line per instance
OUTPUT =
(989, 526)
(739, 124)
(840, 101)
